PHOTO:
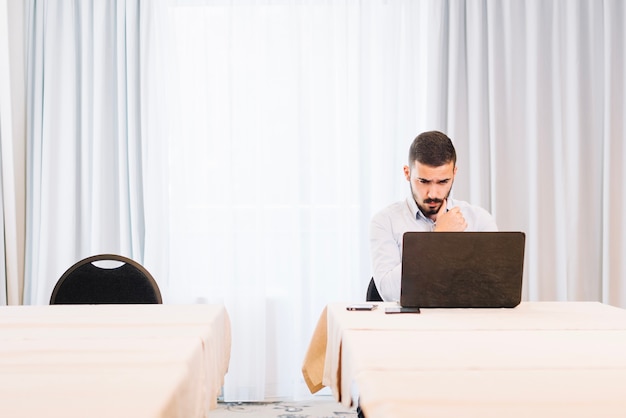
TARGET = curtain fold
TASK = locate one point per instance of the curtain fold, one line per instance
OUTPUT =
(613, 122)
(10, 286)
(91, 127)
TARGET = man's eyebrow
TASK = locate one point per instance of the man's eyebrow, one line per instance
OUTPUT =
(423, 180)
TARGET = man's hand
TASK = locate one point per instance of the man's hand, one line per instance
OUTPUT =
(450, 221)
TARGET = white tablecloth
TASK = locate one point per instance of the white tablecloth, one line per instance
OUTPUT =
(112, 360)
(572, 393)
(375, 356)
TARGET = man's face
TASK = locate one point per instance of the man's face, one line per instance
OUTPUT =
(430, 185)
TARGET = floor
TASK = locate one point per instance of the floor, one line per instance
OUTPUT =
(319, 407)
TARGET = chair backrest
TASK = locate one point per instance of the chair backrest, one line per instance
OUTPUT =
(372, 293)
(88, 283)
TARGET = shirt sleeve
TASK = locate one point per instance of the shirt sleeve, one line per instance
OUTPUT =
(485, 221)
(478, 219)
(386, 258)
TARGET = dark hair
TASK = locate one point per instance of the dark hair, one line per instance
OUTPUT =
(432, 148)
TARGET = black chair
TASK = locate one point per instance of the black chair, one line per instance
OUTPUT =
(87, 283)
(372, 293)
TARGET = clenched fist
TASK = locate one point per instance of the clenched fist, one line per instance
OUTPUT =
(450, 220)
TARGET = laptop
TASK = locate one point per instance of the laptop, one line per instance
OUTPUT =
(462, 269)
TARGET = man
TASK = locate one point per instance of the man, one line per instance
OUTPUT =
(430, 173)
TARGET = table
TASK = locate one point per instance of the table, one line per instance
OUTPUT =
(541, 358)
(112, 360)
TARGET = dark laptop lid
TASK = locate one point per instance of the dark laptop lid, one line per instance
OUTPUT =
(462, 269)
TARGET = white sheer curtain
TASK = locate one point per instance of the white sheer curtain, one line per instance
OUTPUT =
(265, 198)
(9, 280)
(94, 135)
(293, 118)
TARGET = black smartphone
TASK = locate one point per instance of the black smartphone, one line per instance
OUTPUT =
(400, 309)
(362, 307)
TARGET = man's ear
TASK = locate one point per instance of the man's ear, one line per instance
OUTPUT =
(407, 173)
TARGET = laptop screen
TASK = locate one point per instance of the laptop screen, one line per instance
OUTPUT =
(462, 269)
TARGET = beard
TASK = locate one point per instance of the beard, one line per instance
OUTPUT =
(427, 210)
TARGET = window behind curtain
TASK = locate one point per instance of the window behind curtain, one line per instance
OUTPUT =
(279, 109)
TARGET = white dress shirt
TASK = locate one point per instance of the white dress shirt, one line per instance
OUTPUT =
(388, 227)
